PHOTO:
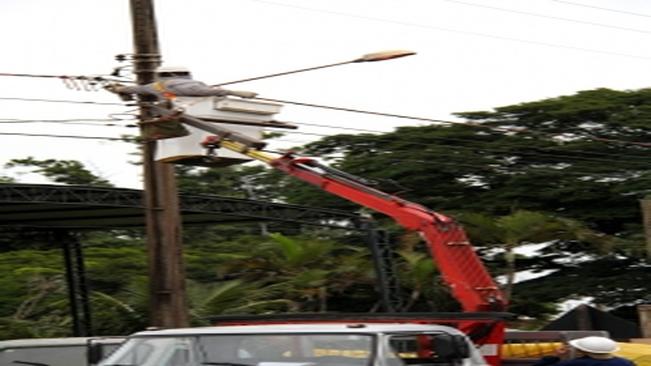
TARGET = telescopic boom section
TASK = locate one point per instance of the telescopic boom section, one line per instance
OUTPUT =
(456, 259)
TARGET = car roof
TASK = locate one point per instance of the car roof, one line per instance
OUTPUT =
(352, 328)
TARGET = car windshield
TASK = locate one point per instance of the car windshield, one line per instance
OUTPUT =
(246, 350)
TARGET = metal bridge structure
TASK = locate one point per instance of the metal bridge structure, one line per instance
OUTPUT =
(62, 210)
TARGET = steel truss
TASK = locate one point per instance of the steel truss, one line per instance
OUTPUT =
(63, 209)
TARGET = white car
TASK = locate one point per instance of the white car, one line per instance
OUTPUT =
(308, 344)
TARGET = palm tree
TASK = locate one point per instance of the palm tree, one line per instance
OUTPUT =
(305, 270)
(233, 297)
(520, 228)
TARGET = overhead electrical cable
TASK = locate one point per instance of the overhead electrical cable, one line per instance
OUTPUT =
(14, 120)
(466, 123)
(343, 109)
(474, 166)
(604, 9)
(452, 147)
(81, 121)
(64, 77)
(563, 158)
(459, 31)
(80, 137)
(549, 16)
(617, 154)
(61, 101)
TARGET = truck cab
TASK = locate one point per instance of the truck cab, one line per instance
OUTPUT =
(349, 344)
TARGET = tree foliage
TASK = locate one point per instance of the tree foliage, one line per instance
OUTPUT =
(581, 159)
(61, 171)
(246, 275)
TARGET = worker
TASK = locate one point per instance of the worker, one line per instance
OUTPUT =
(172, 81)
(591, 351)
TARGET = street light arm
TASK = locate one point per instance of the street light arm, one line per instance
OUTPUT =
(369, 57)
(284, 73)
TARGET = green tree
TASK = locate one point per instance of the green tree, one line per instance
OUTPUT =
(507, 233)
(597, 152)
(42, 311)
(61, 171)
(314, 274)
(234, 297)
(582, 156)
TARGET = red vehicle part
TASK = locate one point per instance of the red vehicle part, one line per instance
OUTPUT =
(456, 259)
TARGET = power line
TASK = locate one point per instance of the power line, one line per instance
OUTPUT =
(345, 109)
(80, 121)
(60, 101)
(457, 139)
(426, 162)
(64, 77)
(604, 9)
(120, 139)
(77, 82)
(328, 126)
(395, 160)
(451, 30)
(471, 124)
(33, 75)
(11, 120)
(540, 154)
(549, 16)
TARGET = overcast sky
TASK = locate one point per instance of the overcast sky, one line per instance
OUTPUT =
(472, 55)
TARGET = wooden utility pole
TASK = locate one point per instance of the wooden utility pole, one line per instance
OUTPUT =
(167, 294)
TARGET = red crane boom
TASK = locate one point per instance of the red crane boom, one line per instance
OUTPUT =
(461, 268)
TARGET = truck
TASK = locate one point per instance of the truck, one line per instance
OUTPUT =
(346, 343)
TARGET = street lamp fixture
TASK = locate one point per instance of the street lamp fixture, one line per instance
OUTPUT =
(369, 57)
(384, 55)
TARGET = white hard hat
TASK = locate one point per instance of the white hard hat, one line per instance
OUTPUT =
(594, 344)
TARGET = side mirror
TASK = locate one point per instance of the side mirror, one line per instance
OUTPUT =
(449, 346)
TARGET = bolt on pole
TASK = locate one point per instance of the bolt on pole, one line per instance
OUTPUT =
(167, 293)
